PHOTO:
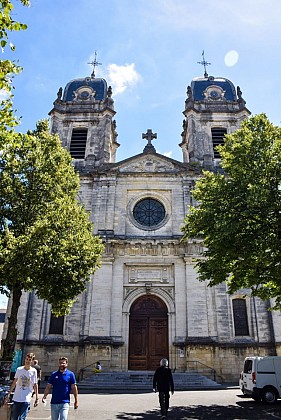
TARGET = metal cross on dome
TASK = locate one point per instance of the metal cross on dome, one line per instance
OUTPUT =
(204, 63)
(94, 63)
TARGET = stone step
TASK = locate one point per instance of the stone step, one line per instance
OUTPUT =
(143, 381)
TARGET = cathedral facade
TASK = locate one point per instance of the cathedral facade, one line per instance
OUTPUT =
(145, 302)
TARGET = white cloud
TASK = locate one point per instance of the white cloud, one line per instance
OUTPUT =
(122, 77)
(216, 16)
(168, 154)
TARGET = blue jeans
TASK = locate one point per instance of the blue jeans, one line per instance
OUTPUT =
(59, 411)
(20, 410)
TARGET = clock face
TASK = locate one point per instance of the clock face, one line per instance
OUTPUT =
(214, 94)
(84, 94)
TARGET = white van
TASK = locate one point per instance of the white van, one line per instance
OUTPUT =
(261, 378)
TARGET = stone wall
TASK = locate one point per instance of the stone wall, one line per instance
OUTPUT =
(227, 361)
(224, 363)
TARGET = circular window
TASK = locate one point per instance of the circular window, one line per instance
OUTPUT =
(149, 212)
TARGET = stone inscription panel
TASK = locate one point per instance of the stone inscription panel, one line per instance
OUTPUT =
(148, 274)
(163, 274)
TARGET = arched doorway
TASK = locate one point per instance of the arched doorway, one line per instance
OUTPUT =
(148, 333)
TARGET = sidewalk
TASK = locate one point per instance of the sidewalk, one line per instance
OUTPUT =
(223, 404)
(101, 407)
(125, 405)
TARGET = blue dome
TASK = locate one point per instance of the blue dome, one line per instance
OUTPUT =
(200, 84)
(98, 85)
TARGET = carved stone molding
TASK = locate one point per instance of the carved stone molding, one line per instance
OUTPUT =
(148, 165)
(145, 248)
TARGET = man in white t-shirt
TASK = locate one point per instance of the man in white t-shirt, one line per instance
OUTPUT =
(25, 383)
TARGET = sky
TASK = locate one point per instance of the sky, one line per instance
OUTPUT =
(149, 51)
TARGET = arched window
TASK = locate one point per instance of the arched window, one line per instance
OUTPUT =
(240, 317)
(56, 324)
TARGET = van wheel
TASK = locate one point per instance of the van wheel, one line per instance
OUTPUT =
(269, 395)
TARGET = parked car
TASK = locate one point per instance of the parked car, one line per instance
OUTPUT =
(261, 378)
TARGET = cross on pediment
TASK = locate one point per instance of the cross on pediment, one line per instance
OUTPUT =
(149, 136)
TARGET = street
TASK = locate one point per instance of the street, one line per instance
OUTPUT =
(225, 404)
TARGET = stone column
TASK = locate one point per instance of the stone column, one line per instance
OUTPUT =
(197, 322)
(100, 316)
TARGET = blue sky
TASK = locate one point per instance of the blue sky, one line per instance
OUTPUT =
(149, 52)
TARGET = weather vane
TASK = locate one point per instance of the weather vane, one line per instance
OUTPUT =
(204, 63)
(94, 63)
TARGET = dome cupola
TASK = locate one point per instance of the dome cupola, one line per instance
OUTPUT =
(83, 117)
(86, 89)
(213, 88)
(213, 108)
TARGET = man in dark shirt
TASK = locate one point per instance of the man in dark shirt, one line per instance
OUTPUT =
(164, 383)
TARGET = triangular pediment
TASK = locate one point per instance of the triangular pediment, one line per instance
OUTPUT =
(150, 162)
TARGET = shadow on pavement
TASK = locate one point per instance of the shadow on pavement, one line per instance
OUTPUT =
(241, 411)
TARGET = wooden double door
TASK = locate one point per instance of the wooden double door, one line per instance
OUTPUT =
(148, 333)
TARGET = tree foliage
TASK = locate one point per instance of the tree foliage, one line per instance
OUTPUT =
(46, 238)
(8, 68)
(239, 214)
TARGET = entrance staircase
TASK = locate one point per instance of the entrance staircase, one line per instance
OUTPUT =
(142, 381)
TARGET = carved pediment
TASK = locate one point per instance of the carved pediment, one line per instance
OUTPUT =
(149, 164)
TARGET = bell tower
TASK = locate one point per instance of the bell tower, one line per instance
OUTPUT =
(213, 108)
(82, 115)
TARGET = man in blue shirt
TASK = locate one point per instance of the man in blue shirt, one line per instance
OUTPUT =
(62, 381)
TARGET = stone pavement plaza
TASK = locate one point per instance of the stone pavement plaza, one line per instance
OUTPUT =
(223, 404)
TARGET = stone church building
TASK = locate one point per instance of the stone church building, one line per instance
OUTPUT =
(145, 301)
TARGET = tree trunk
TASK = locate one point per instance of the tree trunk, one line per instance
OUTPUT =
(8, 345)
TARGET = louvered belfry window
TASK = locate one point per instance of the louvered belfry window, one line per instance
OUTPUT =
(218, 139)
(78, 143)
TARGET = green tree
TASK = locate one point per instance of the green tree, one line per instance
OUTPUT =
(8, 68)
(46, 238)
(239, 214)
